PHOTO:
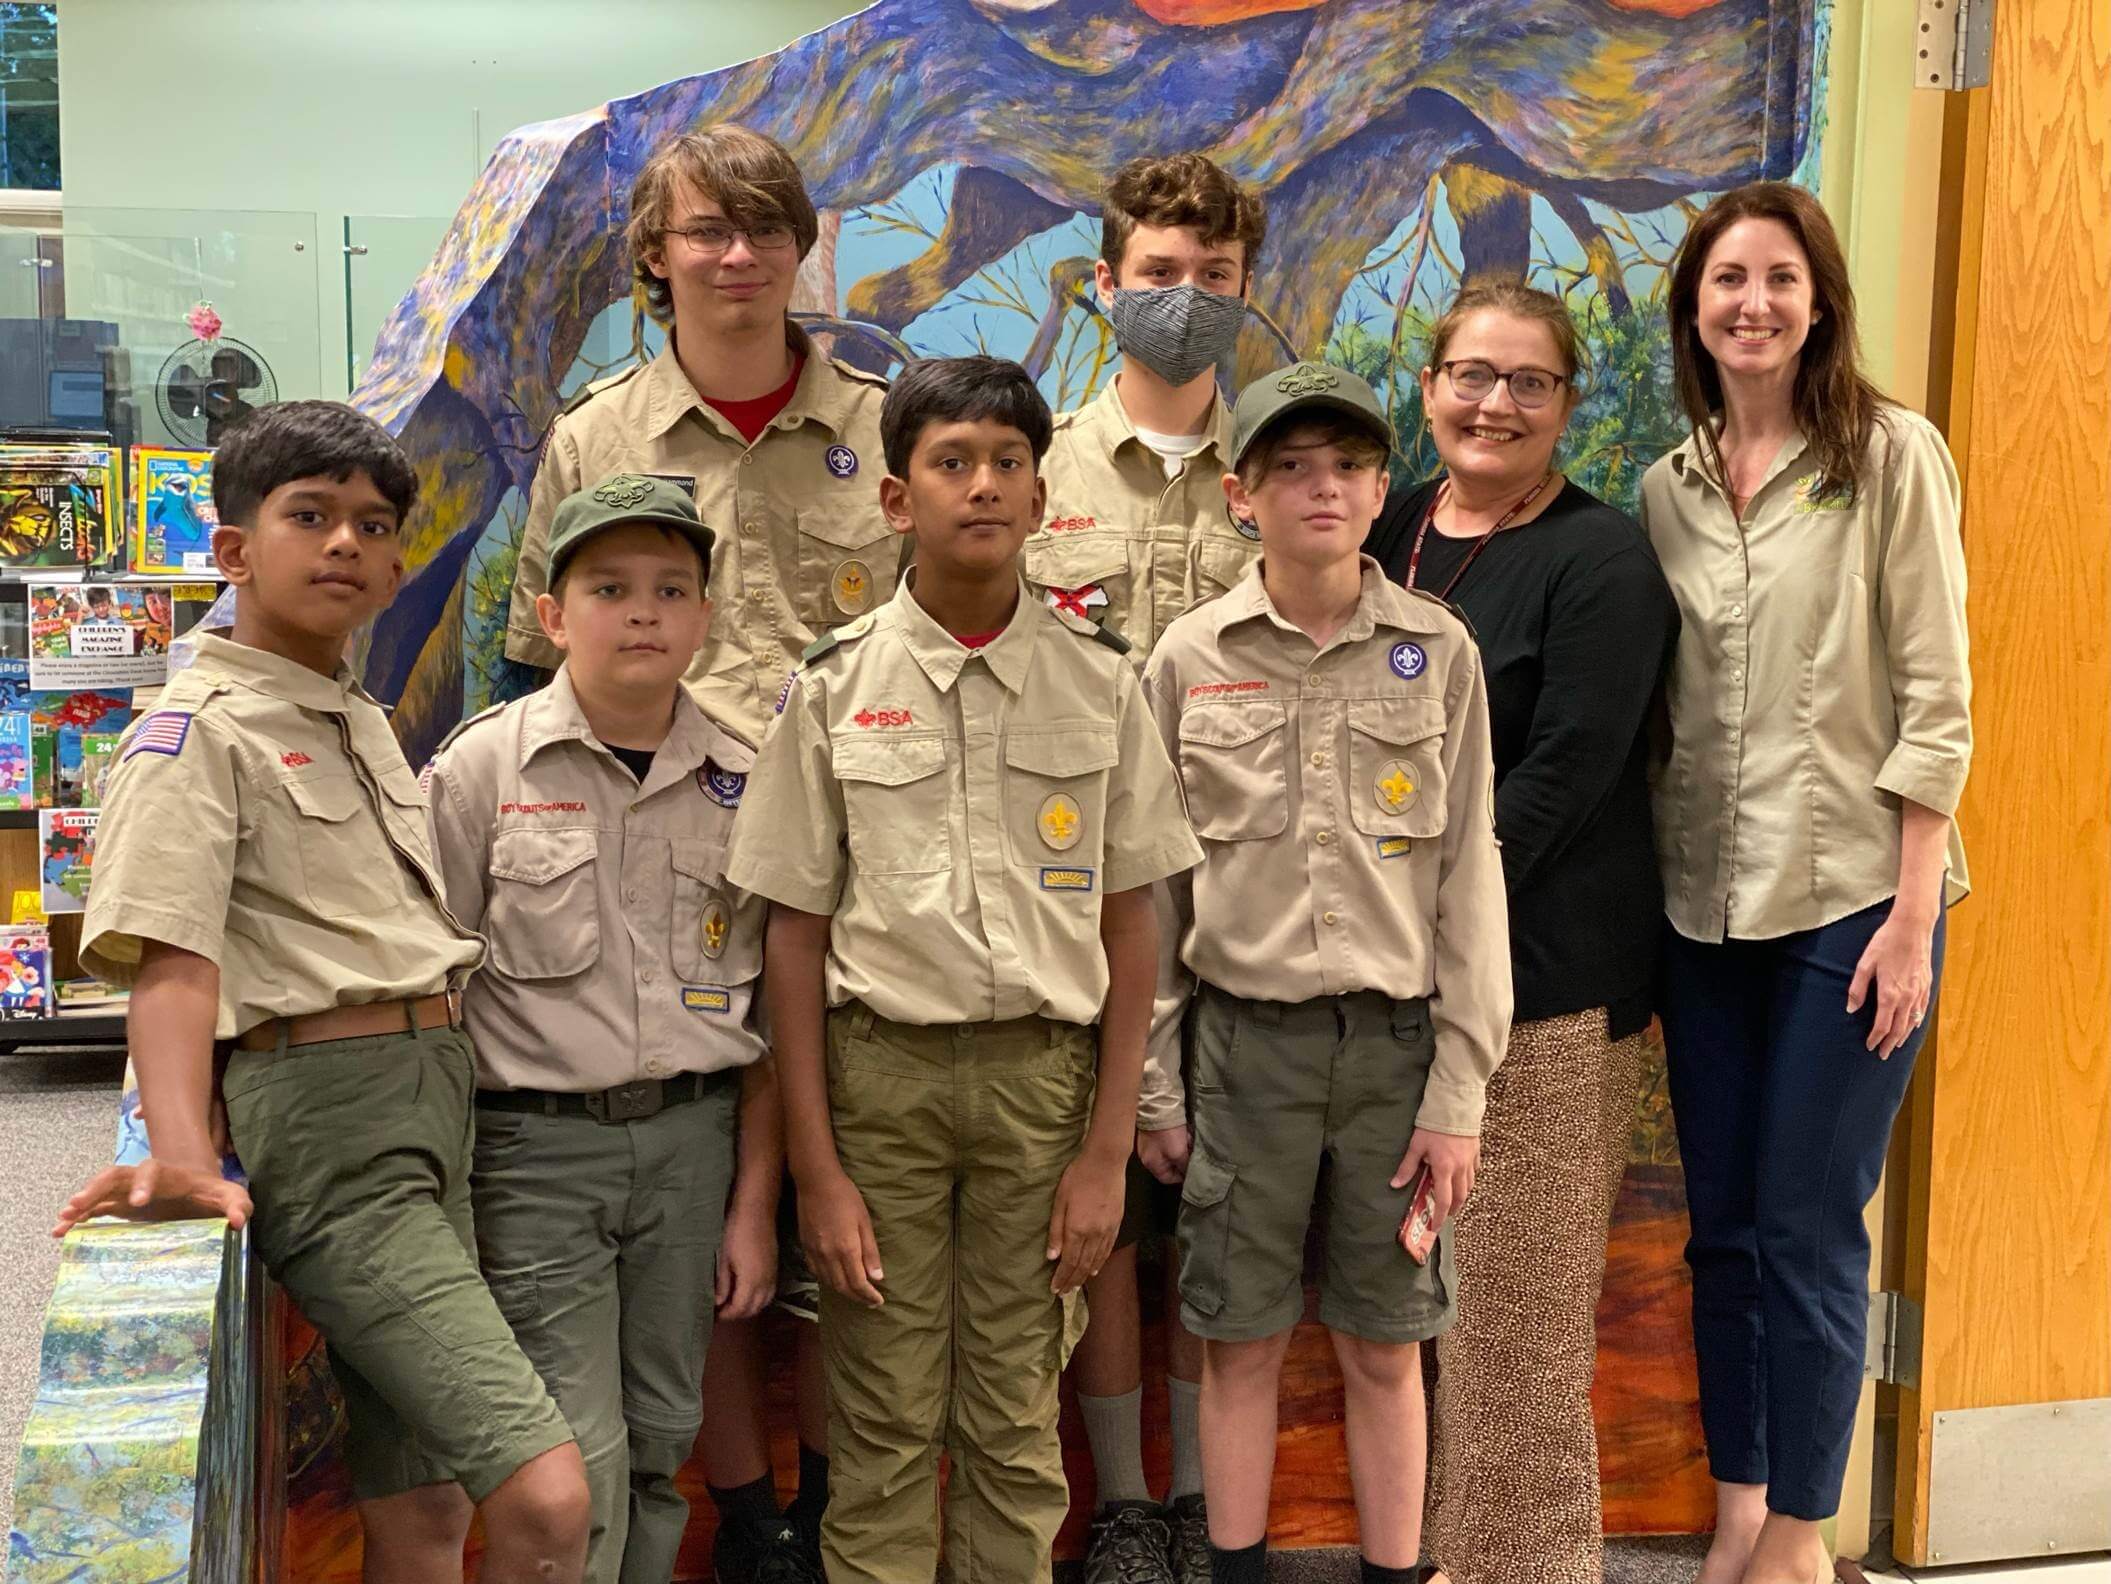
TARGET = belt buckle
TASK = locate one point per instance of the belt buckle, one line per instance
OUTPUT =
(626, 1102)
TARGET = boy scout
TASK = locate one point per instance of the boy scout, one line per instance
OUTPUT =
(1343, 956)
(776, 444)
(263, 881)
(582, 830)
(1136, 533)
(983, 804)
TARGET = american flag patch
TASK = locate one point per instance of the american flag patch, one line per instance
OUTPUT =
(161, 732)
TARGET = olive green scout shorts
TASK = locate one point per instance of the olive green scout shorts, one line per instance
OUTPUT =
(1275, 1089)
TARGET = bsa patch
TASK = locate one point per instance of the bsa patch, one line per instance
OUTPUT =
(624, 490)
(162, 732)
(1077, 601)
(842, 461)
(703, 998)
(1408, 660)
(723, 786)
(717, 925)
(853, 588)
(1066, 879)
(293, 761)
(1307, 379)
(1061, 823)
(1394, 846)
(1395, 787)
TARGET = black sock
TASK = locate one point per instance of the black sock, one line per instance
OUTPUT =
(1374, 1574)
(812, 1500)
(754, 1502)
(1246, 1565)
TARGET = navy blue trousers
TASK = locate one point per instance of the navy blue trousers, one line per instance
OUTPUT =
(1783, 1122)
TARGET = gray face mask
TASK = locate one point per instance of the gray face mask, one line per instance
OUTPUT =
(1176, 331)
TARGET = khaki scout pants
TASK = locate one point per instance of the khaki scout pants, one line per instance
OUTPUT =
(956, 1136)
(600, 1242)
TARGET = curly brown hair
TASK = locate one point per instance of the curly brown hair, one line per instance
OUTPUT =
(1180, 190)
(1835, 404)
(747, 174)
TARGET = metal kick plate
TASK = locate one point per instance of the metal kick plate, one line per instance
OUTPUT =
(2019, 1482)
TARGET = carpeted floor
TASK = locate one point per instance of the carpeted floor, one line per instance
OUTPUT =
(58, 1124)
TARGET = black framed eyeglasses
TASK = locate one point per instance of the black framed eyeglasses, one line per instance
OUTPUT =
(1474, 379)
(712, 237)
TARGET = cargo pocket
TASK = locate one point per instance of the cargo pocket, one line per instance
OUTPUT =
(543, 920)
(847, 565)
(1205, 1232)
(894, 801)
(1076, 1316)
(1055, 792)
(1084, 571)
(1397, 785)
(1233, 770)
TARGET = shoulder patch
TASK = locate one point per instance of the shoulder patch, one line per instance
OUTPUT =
(593, 388)
(163, 732)
(828, 643)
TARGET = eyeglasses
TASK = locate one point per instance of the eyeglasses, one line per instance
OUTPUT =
(1474, 380)
(711, 237)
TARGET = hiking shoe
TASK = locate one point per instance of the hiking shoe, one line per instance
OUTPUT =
(1189, 1521)
(1130, 1544)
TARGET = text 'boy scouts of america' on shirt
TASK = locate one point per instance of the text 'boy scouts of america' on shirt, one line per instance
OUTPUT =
(618, 951)
(802, 546)
(962, 812)
(263, 817)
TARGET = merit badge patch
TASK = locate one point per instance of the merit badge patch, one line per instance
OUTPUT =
(700, 998)
(162, 732)
(1409, 661)
(717, 925)
(853, 588)
(1395, 787)
(1066, 879)
(842, 461)
(1394, 846)
(1061, 822)
(1077, 601)
(723, 786)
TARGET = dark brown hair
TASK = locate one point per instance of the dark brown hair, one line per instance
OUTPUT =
(960, 390)
(1519, 301)
(750, 176)
(292, 440)
(1321, 427)
(1180, 190)
(1835, 405)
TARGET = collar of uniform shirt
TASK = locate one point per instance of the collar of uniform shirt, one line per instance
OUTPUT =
(554, 716)
(820, 394)
(1378, 603)
(943, 657)
(1116, 429)
(279, 677)
(1692, 470)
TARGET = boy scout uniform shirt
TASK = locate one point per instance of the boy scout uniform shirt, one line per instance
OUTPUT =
(1821, 675)
(961, 813)
(1345, 801)
(801, 547)
(618, 951)
(263, 817)
(1123, 544)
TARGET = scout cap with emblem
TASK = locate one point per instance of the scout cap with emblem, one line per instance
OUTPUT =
(619, 499)
(1302, 387)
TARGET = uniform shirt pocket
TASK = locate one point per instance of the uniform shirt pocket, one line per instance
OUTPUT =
(707, 938)
(847, 562)
(1396, 783)
(895, 799)
(1220, 563)
(1234, 771)
(544, 916)
(340, 845)
(1091, 565)
(1055, 792)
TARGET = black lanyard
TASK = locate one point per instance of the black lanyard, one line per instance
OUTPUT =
(1414, 556)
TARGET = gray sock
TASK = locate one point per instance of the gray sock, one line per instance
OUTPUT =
(1187, 1438)
(1114, 1427)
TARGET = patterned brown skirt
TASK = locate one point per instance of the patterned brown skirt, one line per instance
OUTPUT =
(1513, 1476)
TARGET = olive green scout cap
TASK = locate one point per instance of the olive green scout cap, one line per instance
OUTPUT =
(1318, 387)
(624, 498)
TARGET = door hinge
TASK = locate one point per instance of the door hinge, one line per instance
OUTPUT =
(1892, 1352)
(1953, 44)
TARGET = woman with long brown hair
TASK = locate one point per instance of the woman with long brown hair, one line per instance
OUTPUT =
(1821, 730)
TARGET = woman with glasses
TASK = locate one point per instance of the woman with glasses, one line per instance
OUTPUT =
(1821, 734)
(1576, 628)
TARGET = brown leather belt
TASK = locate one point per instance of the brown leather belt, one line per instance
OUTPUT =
(365, 1021)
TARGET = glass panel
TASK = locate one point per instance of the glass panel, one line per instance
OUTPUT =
(384, 256)
(29, 97)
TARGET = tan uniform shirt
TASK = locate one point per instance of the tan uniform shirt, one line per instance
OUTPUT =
(618, 951)
(961, 813)
(1123, 544)
(1345, 801)
(262, 816)
(1821, 676)
(802, 546)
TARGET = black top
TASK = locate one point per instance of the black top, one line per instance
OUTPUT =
(1576, 627)
(638, 761)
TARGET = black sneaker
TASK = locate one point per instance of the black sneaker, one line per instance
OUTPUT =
(806, 1531)
(765, 1553)
(1190, 1524)
(1130, 1544)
